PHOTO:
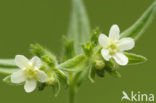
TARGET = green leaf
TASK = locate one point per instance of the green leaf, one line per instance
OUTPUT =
(138, 28)
(79, 28)
(80, 77)
(75, 64)
(135, 59)
(7, 63)
(8, 66)
(5, 70)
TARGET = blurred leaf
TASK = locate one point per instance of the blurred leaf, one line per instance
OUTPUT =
(7, 63)
(5, 70)
(138, 28)
(135, 59)
(79, 28)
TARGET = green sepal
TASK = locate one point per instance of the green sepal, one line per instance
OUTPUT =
(56, 88)
(75, 64)
(111, 65)
(61, 76)
(100, 73)
(115, 74)
(41, 86)
(69, 51)
(94, 36)
(7, 80)
(91, 74)
(44, 54)
(51, 62)
(135, 59)
(88, 49)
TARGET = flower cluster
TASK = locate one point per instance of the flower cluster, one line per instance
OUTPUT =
(97, 58)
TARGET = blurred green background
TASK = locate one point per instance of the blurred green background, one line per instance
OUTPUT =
(44, 21)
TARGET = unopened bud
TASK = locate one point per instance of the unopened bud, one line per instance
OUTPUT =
(99, 64)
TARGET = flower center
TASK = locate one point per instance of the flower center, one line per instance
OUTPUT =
(31, 72)
(112, 47)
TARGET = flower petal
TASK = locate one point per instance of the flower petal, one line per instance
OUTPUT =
(114, 32)
(105, 54)
(21, 61)
(18, 77)
(36, 61)
(30, 85)
(103, 40)
(120, 58)
(126, 44)
(41, 76)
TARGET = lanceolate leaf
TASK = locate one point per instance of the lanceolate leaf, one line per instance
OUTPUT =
(79, 28)
(7, 63)
(5, 70)
(8, 66)
(135, 59)
(75, 64)
(138, 28)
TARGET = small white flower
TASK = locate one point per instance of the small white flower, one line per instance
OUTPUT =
(29, 72)
(114, 47)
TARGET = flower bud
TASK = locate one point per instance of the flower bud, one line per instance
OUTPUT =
(99, 64)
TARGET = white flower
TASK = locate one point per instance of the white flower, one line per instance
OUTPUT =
(114, 47)
(29, 72)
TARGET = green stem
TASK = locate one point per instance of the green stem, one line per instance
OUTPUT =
(71, 89)
(71, 96)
